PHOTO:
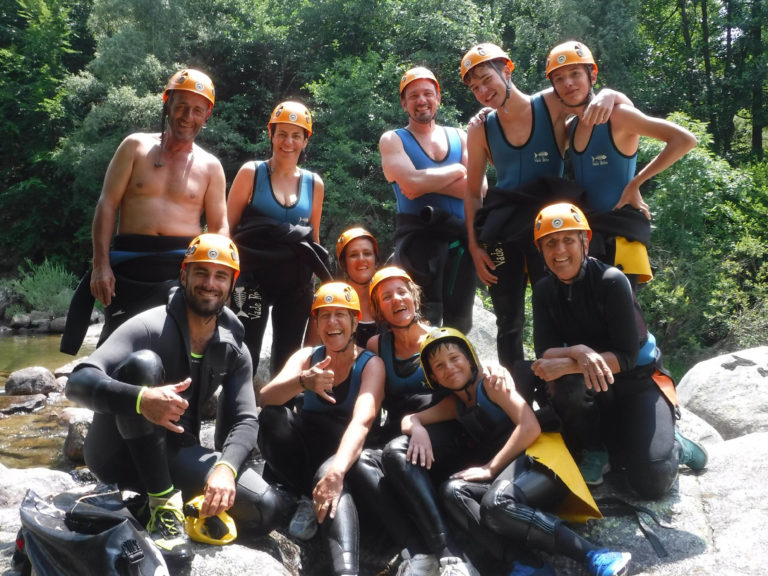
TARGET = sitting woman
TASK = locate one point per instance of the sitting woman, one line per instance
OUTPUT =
(601, 364)
(513, 477)
(311, 451)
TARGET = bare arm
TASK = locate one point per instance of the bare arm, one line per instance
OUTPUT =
(526, 431)
(477, 162)
(286, 384)
(216, 200)
(317, 208)
(112, 192)
(414, 425)
(449, 180)
(327, 491)
(240, 193)
(629, 123)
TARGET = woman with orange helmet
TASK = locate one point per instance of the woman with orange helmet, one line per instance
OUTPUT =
(357, 253)
(311, 452)
(271, 203)
(601, 365)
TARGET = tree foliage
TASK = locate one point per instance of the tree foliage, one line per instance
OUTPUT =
(77, 76)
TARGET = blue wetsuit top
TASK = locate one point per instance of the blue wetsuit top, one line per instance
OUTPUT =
(486, 422)
(421, 161)
(397, 385)
(345, 393)
(264, 203)
(601, 169)
(539, 156)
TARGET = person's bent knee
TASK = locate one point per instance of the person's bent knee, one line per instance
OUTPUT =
(652, 480)
(141, 368)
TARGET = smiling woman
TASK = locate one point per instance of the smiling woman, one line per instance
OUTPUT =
(275, 204)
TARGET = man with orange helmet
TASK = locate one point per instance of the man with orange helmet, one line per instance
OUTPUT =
(159, 185)
(604, 158)
(147, 384)
(427, 166)
(524, 137)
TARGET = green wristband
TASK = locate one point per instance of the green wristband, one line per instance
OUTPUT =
(138, 399)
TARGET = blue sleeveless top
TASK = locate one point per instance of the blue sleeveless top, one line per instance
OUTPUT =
(345, 393)
(421, 161)
(398, 386)
(264, 203)
(539, 156)
(601, 169)
(486, 422)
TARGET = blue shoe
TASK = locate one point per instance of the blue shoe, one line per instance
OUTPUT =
(519, 569)
(593, 464)
(606, 562)
(692, 454)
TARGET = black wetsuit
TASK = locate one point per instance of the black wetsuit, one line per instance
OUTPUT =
(123, 447)
(633, 419)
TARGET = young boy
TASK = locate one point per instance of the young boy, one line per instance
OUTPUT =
(500, 494)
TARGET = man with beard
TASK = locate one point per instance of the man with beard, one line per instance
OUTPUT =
(147, 385)
(427, 166)
(157, 188)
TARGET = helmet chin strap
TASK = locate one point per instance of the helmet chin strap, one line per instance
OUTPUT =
(584, 102)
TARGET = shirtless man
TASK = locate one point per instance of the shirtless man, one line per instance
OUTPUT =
(160, 185)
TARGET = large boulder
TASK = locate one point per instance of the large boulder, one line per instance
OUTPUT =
(730, 392)
(34, 380)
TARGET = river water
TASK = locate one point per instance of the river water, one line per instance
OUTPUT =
(37, 439)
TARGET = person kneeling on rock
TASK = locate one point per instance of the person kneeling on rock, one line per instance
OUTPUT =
(601, 365)
(147, 383)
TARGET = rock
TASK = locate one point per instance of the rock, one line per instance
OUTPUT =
(20, 321)
(57, 325)
(483, 333)
(730, 392)
(73, 445)
(16, 404)
(66, 370)
(34, 380)
(71, 414)
(208, 411)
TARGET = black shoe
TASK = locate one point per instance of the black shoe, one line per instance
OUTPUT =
(167, 531)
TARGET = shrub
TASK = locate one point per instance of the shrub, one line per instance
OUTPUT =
(47, 286)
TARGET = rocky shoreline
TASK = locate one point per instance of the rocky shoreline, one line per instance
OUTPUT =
(712, 523)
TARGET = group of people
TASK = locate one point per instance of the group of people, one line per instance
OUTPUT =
(379, 414)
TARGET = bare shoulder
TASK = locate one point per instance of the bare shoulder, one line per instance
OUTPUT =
(389, 139)
(206, 158)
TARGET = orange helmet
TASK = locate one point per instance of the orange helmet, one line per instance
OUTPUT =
(352, 234)
(557, 218)
(213, 248)
(336, 294)
(290, 112)
(483, 53)
(571, 52)
(192, 81)
(417, 73)
(385, 274)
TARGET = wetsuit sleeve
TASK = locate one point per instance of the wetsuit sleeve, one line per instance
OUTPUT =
(238, 414)
(620, 316)
(91, 387)
(546, 334)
